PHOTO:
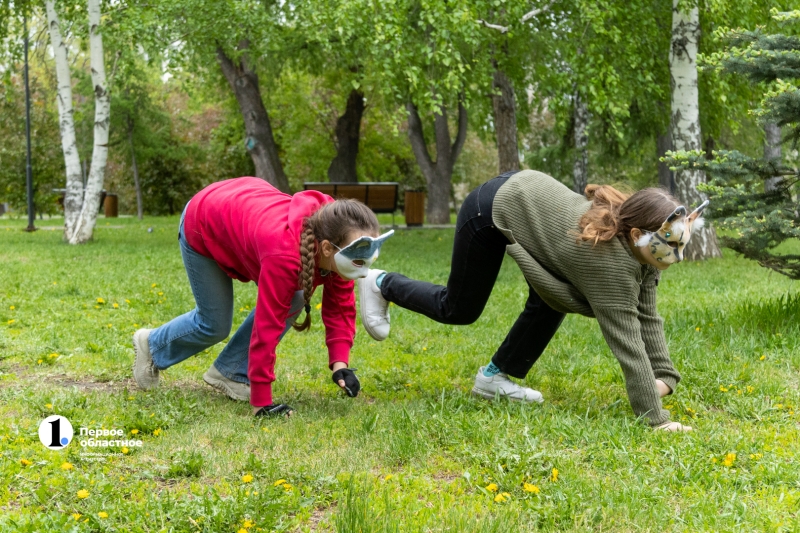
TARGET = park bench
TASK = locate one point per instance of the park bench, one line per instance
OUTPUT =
(381, 197)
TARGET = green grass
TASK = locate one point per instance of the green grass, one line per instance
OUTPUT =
(414, 452)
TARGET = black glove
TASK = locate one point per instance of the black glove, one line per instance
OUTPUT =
(276, 409)
(351, 384)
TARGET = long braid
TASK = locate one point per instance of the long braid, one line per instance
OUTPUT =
(307, 252)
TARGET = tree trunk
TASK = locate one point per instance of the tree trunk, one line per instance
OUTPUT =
(580, 175)
(686, 120)
(348, 131)
(84, 227)
(505, 122)
(772, 151)
(666, 177)
(438, 174)
(73, 197)
(260, 142)
(136, 183)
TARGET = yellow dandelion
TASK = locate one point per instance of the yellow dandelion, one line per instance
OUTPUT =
(528, 487)
(161, 294)
(67, 466)
(778, 406)
(115, 305)
(279, 482)
(134, 431)
(101, 301)
(25, 462)
(248, 524)
(53, 356)
(729, 459)
(125, 449)
(713, 459)
(242, 530)
(83, 494)
(499, 498)
(554, 475)
(12, 307)
(723, 388)
(49, 405)
(76, 516)
(39, 362)
(762, 357)
(697, 329)
(127, 301)
(287, 486)
(388, 477)
(153, 286)
(11, 321)
(102, 514)
(318, 307)
(109, 325)
(157, 432)
(750, 388)
(247, 478)
(491, 487)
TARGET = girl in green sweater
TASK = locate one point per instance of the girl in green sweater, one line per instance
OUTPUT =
(599, 255)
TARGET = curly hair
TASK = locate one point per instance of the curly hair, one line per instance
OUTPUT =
(616, 213)
(332, 222)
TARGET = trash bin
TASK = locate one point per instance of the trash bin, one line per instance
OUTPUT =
(111, 205)
(415, 208)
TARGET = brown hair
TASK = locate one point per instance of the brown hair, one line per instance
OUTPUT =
(616, 213)
(332, 222)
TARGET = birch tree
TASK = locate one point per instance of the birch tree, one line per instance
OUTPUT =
(685, 123)
(73, 197)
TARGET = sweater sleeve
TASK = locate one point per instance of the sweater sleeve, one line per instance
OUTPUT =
(277, 284)
(652, 326)
(623, 333)
(339, 317)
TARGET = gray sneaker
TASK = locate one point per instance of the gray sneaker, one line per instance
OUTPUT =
(144, 371)
(232, 389)
(500, 386)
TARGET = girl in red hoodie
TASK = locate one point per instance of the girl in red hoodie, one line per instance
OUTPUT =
(246, 229)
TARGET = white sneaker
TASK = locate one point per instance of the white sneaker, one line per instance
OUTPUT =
(374, 309)
(144, 371)
(500, 386)
(232, 389)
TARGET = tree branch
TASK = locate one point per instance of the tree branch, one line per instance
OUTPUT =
(417, 138)
(461, 136)
(525, 18)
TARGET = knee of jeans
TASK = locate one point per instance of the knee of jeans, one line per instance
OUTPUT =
(463, 317)
(217, 331)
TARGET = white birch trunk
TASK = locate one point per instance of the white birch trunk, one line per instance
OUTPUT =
(73, 197)
(102, 108)
(580, 174)
(772, 151)
(686, 119)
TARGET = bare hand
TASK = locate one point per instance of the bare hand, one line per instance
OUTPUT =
(673, 426)
(663, 388)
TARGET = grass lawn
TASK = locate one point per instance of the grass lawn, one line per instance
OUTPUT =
(414, 452)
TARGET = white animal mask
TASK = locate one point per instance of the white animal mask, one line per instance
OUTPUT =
(668, 243)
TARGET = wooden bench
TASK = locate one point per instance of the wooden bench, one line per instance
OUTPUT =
(381, 197)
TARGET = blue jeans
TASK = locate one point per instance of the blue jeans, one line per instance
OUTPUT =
(210, 321)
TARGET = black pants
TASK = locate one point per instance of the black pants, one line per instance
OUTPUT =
(478, 252)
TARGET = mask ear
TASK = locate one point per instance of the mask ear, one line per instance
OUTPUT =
(679, 213)
(697, 212)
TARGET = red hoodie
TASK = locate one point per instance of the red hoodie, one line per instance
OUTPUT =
(252, 231)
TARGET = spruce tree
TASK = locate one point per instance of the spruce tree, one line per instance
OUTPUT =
(761, 222)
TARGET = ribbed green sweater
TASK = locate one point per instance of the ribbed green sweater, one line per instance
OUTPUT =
(540, 217)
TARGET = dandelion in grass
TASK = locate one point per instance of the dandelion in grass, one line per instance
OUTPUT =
(723, 388)
(161, 293)
(762, 357)
(242, 530)
(127, 301)
(279, 483)
(67, 466)
(153, 286)
(247, 478)
(729, 460)
(500, 498)
(83, 494)
(12, 307)
(125, 450)
(248, 524)
(49, 405)
(697, 329)
(25, 462)
(287, 487)
(134, 431)
(115, 305)
(101, 301)
(529, 487)
(388, 477)
(554, 475)
(157, 432)
(102, 514)
(318, 307)
(491, 487)
(10, 321)
(39, 362)
(76, 516)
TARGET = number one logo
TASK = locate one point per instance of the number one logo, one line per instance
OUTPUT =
(55, 432)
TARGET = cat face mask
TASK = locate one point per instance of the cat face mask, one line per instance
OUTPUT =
(353, 261)
(668, 243)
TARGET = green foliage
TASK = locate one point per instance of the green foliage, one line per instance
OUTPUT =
(762, 223)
